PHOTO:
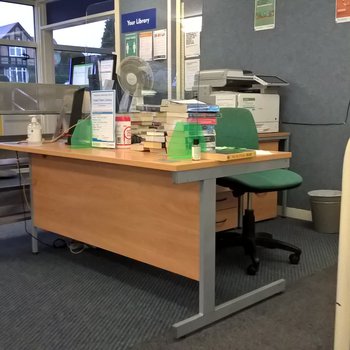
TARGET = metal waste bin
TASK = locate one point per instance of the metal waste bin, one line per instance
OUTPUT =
(325, 210)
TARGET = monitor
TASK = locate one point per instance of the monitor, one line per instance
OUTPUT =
(92, 71)
(107, 71)
(76, 113)
(81, 73)
(96, 72)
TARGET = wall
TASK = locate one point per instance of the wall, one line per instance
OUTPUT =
(193, 7)
(309, 50)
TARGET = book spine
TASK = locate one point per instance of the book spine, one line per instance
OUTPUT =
(209, 138)
(148, 108)
(204, 121)
(202, 108)
(239, 156)
(204, 114)
(154, 138)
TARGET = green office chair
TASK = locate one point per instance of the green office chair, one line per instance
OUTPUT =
(237, 128)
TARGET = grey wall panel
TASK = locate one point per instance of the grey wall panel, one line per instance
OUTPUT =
(310, 51)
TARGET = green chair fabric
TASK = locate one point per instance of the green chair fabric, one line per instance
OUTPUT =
(236, 128)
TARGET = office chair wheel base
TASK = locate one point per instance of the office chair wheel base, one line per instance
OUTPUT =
(252, 269)
(294, 259)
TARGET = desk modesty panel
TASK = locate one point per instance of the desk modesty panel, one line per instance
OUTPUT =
(135, 212)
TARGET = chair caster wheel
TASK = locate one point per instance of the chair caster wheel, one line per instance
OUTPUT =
(294, 259)
(252, 270)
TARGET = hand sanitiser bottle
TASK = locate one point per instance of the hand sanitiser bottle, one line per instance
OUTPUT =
(34, 132)
(196, 150)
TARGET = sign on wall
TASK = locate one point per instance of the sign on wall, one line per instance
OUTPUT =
(265, 12)
(146, 46)
(131, 44)
(140, 20)
(342, 11)
(159, 44)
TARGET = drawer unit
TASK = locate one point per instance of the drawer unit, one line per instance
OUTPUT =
(226, 209)
(226, 219)
(265, 205)
(225, 199)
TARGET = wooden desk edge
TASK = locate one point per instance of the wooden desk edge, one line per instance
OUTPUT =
(276, 135)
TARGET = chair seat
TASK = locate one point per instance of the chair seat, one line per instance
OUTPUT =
(263, 181)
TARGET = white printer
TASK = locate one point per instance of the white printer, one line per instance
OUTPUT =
(239, 88)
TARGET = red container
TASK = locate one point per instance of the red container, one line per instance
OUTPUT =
(123, 131)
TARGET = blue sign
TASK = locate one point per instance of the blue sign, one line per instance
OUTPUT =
(140, 20)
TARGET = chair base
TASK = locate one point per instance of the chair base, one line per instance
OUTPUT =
(250, 240)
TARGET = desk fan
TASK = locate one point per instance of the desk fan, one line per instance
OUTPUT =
(135, 77)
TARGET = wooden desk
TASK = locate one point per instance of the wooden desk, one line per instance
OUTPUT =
(143, 206)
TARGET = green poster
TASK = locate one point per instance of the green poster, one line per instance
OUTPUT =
(265, 11)
(131, 45)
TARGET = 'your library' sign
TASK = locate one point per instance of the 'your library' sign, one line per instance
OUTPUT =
(140, 20)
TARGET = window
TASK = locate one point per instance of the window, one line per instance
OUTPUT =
(93, 35)
(18, 63)
(17, 60)
(17, 51)
(17, 75)
(81, 40)
(16, 20)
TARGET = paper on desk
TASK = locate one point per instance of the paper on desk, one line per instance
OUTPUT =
(186, 102)
(260, 152)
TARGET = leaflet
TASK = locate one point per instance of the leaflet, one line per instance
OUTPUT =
(103, 118)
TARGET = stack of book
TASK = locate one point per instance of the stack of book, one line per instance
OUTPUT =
(154, 140)
(141, 122)
(147, 131)
(192, 112)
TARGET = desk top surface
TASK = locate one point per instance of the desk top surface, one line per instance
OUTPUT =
(150, 160)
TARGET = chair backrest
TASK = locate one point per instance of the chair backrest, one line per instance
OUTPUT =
(236, 128)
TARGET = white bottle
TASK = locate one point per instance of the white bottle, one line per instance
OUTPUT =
(196, 150)
(34, 132)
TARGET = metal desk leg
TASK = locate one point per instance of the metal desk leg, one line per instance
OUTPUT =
(208, 312)
(34, 233)
(285, 192)
(35, 249)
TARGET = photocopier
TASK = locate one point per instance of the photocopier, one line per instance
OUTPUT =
(240, 88)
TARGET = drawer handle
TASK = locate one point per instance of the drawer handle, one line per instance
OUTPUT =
(222, 199)
(221, 221)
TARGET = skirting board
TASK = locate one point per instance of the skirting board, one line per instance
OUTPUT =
(295, 213)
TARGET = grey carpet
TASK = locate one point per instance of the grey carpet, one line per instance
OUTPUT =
(302, 318)
(99, 300)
